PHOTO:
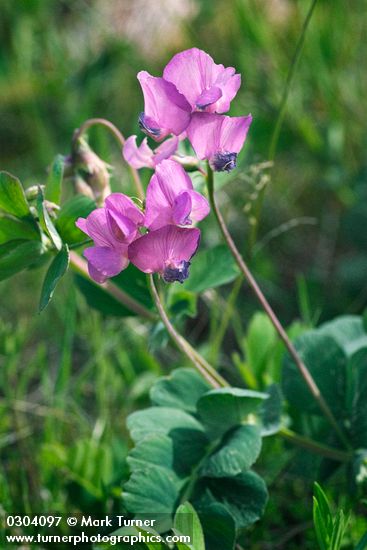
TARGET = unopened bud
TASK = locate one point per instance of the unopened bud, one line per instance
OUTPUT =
(92, 171)
(82, 187)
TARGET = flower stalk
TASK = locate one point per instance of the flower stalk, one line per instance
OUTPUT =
(306, 375)
(206, 370)
(120, 139)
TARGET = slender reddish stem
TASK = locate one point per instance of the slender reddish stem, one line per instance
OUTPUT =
(120, 138)
(306, 375)
(206, 370)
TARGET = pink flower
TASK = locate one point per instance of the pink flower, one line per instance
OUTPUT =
(218, 138)
(166, 111)
(171, 198)
(143, 156)
(206, 85)
(166, 251)
(112, 229)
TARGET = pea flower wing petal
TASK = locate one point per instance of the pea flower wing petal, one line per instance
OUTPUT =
(166, 111)
(104, 262)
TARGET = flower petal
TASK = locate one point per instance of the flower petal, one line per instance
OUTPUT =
(122, 205)
(122, 228)
(166, 111)
(169, 180)
(96, 227)
(106, 262)
(208, 97)
(168, 246)
(181, 209)
(199, 206)
(198, 78)
(165, 150)
(210, 134)
(229, 83)
(138, 157)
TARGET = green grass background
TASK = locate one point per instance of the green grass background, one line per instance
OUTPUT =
(68, 377)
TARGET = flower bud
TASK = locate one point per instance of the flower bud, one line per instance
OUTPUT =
(90, 171)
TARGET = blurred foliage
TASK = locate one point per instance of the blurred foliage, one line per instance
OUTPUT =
(69, 377)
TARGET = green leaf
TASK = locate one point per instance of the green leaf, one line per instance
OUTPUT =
(12, 196)
(187, 523)
(326, 361)
(181, 389)
(131, 280)
(225, 408)
(187, 433)
(154, 449)
(181, 302)
(339, 529)
(347, 331)
(238, 451)
(54, 180)
(325, 519)
(172, 444)
(219, 527)
(14, 228)
(46, 221)
(211, 268)
(57, 269)
(260, 339)
(17, 255)
(129, 532)
(160, 420)
(152, 492)
(79, 206)
(319, 524)
(244, 497)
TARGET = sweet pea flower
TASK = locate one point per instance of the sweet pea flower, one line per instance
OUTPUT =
(171, 198)
(218, 138)
(166, 111)
(206, 86)
(143, 156)
(112, 229)
(167, 251)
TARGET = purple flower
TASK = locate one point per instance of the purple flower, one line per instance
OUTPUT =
(206, 85)
(218, 138)
(112, 229)
(166, 251)
(171, 198)
(166, 111)
(143, 156)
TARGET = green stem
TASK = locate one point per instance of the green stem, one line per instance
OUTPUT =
(279, 121)
(206, 370)
(306, 375)
(80, 266)
(314, 446)
(119, 137)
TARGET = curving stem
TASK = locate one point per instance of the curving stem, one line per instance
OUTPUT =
(206, 370)
(306, 375)
(119, 137)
